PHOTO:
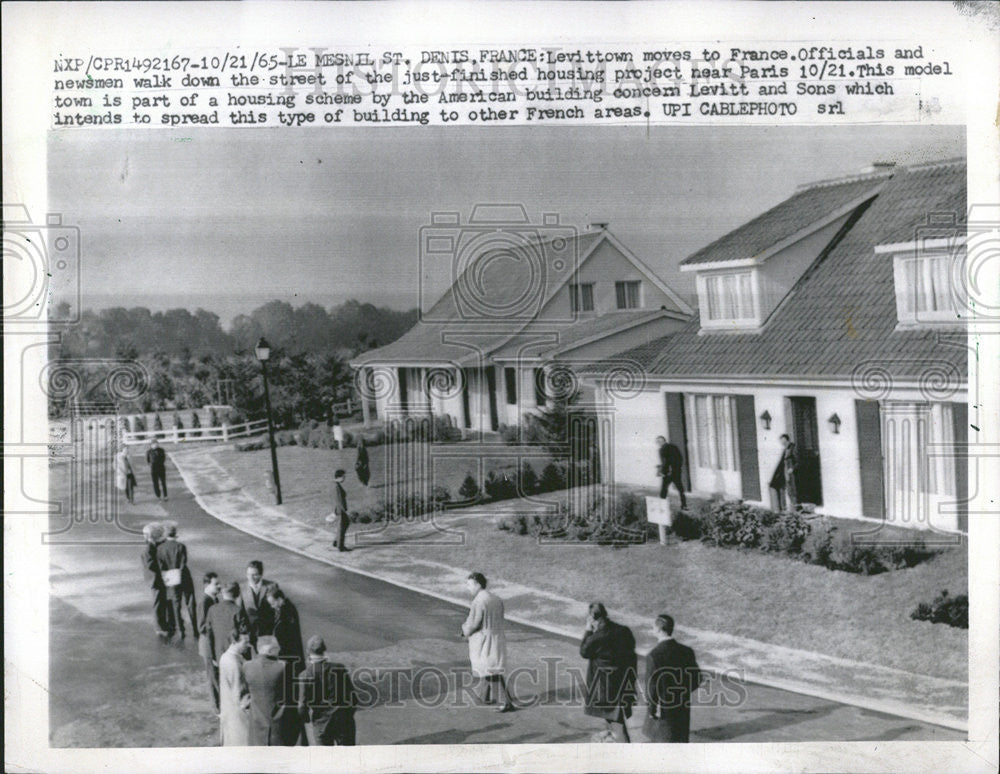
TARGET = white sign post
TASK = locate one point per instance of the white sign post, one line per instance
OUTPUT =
(338, 436)
(658, 512)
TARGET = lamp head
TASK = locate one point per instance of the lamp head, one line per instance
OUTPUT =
(263, 350)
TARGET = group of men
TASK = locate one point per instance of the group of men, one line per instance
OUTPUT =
(266, 689)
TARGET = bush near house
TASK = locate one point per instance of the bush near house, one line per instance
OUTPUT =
(953, 611)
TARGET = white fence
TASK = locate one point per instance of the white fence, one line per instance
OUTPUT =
(179, 435)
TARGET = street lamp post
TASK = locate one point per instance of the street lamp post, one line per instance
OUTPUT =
(263, 351)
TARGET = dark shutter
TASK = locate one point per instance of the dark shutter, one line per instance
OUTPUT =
(746, 439)
(960, 420)
(870, 458)
(677, 432)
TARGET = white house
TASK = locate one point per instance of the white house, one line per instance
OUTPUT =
(482, 354)
(835, 317)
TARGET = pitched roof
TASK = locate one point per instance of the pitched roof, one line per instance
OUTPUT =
(809, 207)
(840, 317)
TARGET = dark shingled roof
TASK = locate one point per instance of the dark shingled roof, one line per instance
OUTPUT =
(840, 317)
(808, 206)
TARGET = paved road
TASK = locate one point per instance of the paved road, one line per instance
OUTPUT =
(114, 684)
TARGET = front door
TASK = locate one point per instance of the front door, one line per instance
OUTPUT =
(805, 435)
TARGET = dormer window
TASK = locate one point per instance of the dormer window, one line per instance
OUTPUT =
(924, 277)
(727, 299)
(627, 294)
(581, 297)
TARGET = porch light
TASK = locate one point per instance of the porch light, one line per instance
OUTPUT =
(765, 419)
(834, 422)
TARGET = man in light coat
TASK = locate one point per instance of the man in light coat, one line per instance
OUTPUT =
(234, 694)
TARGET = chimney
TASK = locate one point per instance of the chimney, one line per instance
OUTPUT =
(597, 226)
(879, 166)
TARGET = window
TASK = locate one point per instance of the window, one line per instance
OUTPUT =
(581, 297)
(541, 398)
(917, 435)
(729, 297)
(627, 295)
(510, 384)
(714, 430)
(924, 288)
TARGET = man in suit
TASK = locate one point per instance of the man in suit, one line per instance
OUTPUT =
(156, 458)
(274, 715)
(253, 601)
(672, 676)
(326, 698)
(224, 618)
(212, 587)
(287, 630)
(153, 533)
(671, 462)
(172, 557)
(340, 510)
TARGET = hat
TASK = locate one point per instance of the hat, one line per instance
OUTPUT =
(268, 645)
(316, 645)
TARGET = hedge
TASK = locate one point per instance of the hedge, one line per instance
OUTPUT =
(953, 611)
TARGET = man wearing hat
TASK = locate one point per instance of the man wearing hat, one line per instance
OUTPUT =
(326, 698)
(274, 717)
(339, 514)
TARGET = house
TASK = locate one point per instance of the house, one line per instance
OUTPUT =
(482, 355)
(836, 317)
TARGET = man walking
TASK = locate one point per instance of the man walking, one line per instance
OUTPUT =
(671, 462)
(224, 618)
(326, 698)
(274, 715)
(209, 597)
(339, 510)
(484, 629)
(672, 676)
(611, 673)
(234, 710)
(253, 601)
(157, 461)
(153, 533)
(172, 557)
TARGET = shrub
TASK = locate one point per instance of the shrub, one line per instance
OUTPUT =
(469, 490)
(686, 526)
(528, 481)
(499, 486)
(553, 478)
(195, 424)
(440, 494)
(213, 418)
(787, 534)
(140, 424)
(179, 425)
(444, 430)
(953, 611)
(126, 425)
(157, 421)
(510, 434)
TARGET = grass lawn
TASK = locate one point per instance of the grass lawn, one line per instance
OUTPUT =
(746, 593)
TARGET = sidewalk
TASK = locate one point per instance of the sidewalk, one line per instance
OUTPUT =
(896, 692)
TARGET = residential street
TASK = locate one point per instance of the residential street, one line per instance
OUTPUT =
(114, 684)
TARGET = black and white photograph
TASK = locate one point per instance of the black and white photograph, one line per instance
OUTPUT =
(582, 434)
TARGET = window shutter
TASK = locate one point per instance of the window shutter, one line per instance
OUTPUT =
(746, 437)
(677, 433)
(870, 458)
(960, 421)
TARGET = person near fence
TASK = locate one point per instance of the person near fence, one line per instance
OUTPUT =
(173, 559)
(671, 464)
(326, 698)
(234, 694)
(156, 458)
(253, 601)
(209, 597)
(162, 615)
(124, 475)
(609, 649)
(340, 516)
(672, 677)
(484, 629)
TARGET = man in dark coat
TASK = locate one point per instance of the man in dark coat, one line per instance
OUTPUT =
(340, 511)
(611, 673)
(671, 462)
(253, 600)
(212, 587)
(172, 557)
(162, 615)
(286, 630)
(157, 460)
(274, 715)
(224, 618)
(672, 676)
(326, 698)
(784, 479)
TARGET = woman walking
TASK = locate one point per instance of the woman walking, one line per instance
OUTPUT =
(487, 642)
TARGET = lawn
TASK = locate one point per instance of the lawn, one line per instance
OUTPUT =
(746, 593)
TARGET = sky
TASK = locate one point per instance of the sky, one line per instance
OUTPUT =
(320, 215)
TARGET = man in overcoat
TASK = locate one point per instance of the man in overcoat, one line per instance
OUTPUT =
(611, 673)
(287, 630)
(274, 715)
(224, 618)
(340, 515)
(672, 676)
(326, 698)
(172, 557)
(162, 615)
(253, 601)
